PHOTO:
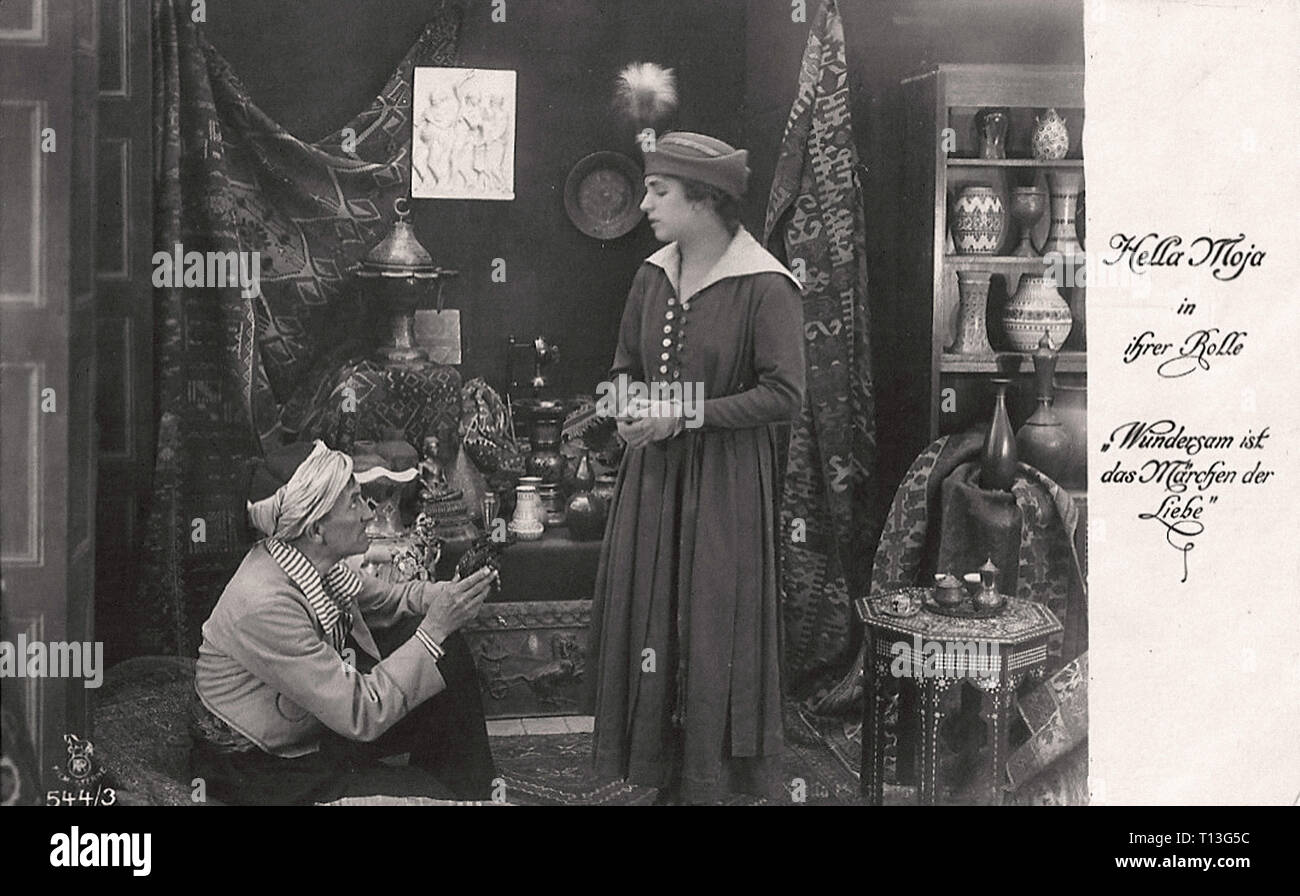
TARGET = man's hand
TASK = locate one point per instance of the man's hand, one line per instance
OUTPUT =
(456, 603)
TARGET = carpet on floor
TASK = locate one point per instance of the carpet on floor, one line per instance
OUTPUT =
(555, 770)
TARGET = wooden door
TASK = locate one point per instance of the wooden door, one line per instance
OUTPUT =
(124, 305)
(48, 92)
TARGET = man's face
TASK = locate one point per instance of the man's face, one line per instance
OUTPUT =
(343, 529)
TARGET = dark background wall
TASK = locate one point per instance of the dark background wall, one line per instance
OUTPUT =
(313, 65)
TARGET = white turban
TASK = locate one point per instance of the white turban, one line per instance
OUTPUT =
(308, 495)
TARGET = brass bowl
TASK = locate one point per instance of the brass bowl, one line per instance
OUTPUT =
(947, 591)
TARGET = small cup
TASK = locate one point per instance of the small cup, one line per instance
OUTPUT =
(973, 583)
(902, 605)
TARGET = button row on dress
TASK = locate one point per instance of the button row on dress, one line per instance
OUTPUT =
(679, 323)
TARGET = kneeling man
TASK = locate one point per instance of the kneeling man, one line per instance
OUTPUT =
(296, 700)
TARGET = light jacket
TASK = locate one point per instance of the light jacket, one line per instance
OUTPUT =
(267, 669)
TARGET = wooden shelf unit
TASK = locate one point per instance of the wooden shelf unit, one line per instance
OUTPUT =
(1014, 163)
(949, 96)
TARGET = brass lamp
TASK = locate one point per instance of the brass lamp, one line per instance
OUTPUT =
(403, 276)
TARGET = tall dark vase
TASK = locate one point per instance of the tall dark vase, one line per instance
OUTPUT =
(1043, 442)
(998, 464)
(582, 477)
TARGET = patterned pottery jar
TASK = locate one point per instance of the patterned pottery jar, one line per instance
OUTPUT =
(527, 523)
(972, 329)
(1064, 187)
(1051, 138)
(1036, 307)
(979, 220)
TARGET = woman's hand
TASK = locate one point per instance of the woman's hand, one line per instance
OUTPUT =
(648, 422)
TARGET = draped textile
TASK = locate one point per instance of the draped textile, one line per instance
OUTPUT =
(236, 374)
(815, 219)
(940, 520)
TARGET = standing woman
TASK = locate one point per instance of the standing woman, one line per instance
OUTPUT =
(685, 619)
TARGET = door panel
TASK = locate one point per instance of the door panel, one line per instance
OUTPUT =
(123, 236)
(48, 84)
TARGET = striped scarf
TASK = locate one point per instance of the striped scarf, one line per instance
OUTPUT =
(330, 598)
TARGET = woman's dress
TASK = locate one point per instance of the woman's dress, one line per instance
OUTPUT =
(685, 619)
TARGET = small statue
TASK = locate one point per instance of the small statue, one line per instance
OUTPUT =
(433, 481)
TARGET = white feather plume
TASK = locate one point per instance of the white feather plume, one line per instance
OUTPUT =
(645, 92)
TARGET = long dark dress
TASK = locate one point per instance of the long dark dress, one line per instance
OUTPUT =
(688, 565)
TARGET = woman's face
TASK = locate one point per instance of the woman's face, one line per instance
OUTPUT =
(670, 213)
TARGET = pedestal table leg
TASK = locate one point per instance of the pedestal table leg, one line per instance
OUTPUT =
(932, 689)
(873, 734)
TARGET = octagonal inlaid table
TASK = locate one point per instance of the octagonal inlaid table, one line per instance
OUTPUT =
(935, 652)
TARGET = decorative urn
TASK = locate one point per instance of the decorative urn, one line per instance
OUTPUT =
(1051, 138)
(979, 220)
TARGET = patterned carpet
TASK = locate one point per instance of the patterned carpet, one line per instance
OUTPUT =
(555, 770)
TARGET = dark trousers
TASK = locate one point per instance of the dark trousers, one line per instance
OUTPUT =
(445, 735)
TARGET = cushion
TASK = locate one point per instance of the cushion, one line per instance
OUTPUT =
(142, 729)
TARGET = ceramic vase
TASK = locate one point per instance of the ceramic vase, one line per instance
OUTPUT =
(544, 459)
(1063, 187)
(1079, 311)
(979, 220)
(586, 514)
(993, 134)
(604, 488)
(1081, 220)
(972, 329)
(583, 477)
(1071, 407)
(1043, 442)
(1027, 206)
(552, 504)
(526, 525)
(1036, 306)
(998, 461)
(1051, 138)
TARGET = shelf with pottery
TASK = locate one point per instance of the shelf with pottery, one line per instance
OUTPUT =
(1009, 362)
(994, 176)
(1007, 263)
(1015, 163)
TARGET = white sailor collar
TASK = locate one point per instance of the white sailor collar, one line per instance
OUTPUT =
(743, 256)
